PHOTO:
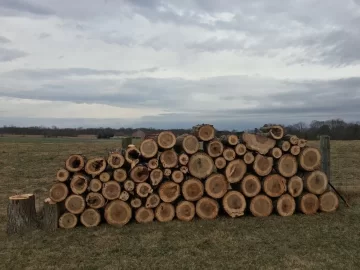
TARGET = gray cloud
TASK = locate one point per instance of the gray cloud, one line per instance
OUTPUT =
(7, 55)
(44, 35)
(23, 6)
(4, 40)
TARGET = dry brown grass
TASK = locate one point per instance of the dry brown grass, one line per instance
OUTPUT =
(317, 242)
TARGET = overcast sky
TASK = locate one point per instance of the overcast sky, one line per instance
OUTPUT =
(236, 64)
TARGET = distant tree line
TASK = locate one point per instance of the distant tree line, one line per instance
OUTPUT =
(337, 129)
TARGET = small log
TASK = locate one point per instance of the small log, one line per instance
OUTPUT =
(293, 139)
(117, 213)
(295, 186)
(129, 185)
(201, 165)
(167, 172)
(124, 196)
(263, 165)
(165, 212)
(231, 139)
(258, 143)
(287, 165)
(285, 205)
(284, 145)
(75, 204)
(144, 215)
(169, 159)
(249, 158)
(90, 218)
(316, 182)
(275, 131)
(229, 154)
(51, 213)
(166, 140)
(135, 203)
(143, 190)
(220, 163)
(95, 200)
(21, 214)
(185, 211)
(79, 183)
(105, 176)
(240, 149)
(139, 173)
(275, 153)
(214, 148)
(274, 185)
(111, 190)
(169, 191)
(152, 201)
(156, 177)
(68, 221)
(153, 163)
(250, 185)
(120, 175)
(95, 185)
(261, 206)
(302, 143)
(116, 160)
(95, 166)
(192, 189)
(75, 163)
(177, 176)
(62, 175)
(328, 202)
(148, 148)
(216, 185)
(309, 159)
(131, 154)
(308, 203)
(207, 208)
(184, 169)
(183, 159)
(187, 143)
(235, 170)
(204, 132)
(58, 192)
(295, 150)
(234, 203)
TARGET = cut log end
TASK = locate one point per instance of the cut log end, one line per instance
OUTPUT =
(328, 202)
(153, 163)
(263, 165)
(143, 190)
(285, 205)
(216, 185)
(169, 191)
(120, 175)
(166, 140)
(229, 154)
(207, 208)
(111, 190)
(167, 172)
(309, 204)
(139, 173)
(277, 132)
(295, 186)
(135, 203)
(188, 143)
(274, 185)
(185, 211)
(201, 165)
(184, 169)
(249, 158)
(293, 139)
(177, 176)
(234, 203)
(220, 163)
(183, 159)
(95, 166)
(124, 196)
(231, 139)
(302, 143)
(58, 192)
(129, 185)
(169, 159)
(165, 212)
(148, 148)
(287, 165)
(62, 175)
(316, 182)
(156, 177)
(95, 185)
(75, 163)
(131, 154)
(204, 132)
(144, 215)
(90, 218)
(117, 213)
(235, 170)
(261, 206)
(68, 221)
(214, 148)
(250, 185)
(152, 201)
(310, 159)
(240, 149)
(192, 189)
(258, 143)
(95, 200)
(284, 145)
(295, 150)
(75, 204)
(276, 152)
(105, 176)
(79, 183)
(116, 160)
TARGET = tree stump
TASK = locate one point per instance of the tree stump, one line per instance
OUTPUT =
(234, 203)
(192, 189)
(90, 218)
(207, 208)
(185, 211)
(51, 213)
(117, 213)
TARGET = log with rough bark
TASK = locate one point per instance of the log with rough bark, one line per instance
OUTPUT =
(183, 159)
(117, 213)
(75, 163)
(139, 173)
(120, 175)
(231, 139)
(68, 221)
(204, 132)
(62, 175)
(328, 202)
(167, 172)
(51, 213)
(309, 159)
(258, 143)
(95, 200)
(131, 154)
(216, 185)
(263, 165)
(21, 214)
(144, 215)
(105, 176)
(295, 150)
(234, 203)
(293, 139)
(295, 186)
(169, 191)
(229, 154)
(285, 205)
(187, 143)
(275, 131)
(184, 169)
(214, 148)
(156, 177)
(152, 201)
(287, 165)
(129, 185)
(274, 185)
(153, 163)
(240, 149)
(283, 145)
(275, 152)
(75, 204)
(177, 176)
(192, 189)
(220, 163)
(95, 185)
(207, 208)
(201, 165)
(143, 190)
(148, 148)
(302, 143)
(235, 170)
(308, 203)
(165, 212)
(90, 218)
(169, 159)
(261, 206)
(166, 140)
(95, 166)
(250, 185)
(316, 182)
(124, 196)
(116, 160)
(111, 190)
(135, 203)
(58, 192)
(79, 183)
(249, 158)
(185, 211)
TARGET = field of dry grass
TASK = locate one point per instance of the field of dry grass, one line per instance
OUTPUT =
(321, 241)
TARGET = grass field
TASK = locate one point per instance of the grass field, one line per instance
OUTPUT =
(312, 242)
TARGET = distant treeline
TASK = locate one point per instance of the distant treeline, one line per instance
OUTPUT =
(336, 128)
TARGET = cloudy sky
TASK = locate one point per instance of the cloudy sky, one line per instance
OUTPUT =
(236, 64)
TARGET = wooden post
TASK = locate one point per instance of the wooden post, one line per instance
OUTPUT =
(125, 142)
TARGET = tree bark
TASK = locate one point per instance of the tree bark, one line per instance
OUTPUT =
(116, 160)
(95, 166)
(258, 143)
(120, 175)
(220, 163)
(169, 159)
(250, 185)
(156, 177)
(240, 149)
(177, 176)
(284, 145)
(201, 165)
(295, 150)
(153, 163)
(285, 205)
(328, 202)
(274, 185)
(58, 192)
(95, 200)
(21, 214)
(192, 189)
(185, 211)
(275, 153)
(144, 215)
(135, 203)
(90, 218)
(51, 213)
(117, 213)
(79, 183)
(204, 132)
(293, 139)
(261, 206)
(95, 185)
(207, 208)
(148, 148)
(75, 163)
(235, 170)
(169, 191)
(234, 203)
(308, 203)
(166, 140)
(129, 185)
(214, 148)
(249, 158)
(111, 190)
(62, 175)
(309, 159)
(105, 176)
(75, 204)
(165, 212)
(183, 159)
(295, 186)
(188, 143)
(229, 154)
(287, 165)
(124, 196)
(216, 185)
(276, 131)
(152, 201)
(68, 221)
(263, 165)
(231, 139)
(139, 173)
(143, 190)
(316, 182)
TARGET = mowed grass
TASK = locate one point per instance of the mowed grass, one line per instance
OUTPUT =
(300, 242)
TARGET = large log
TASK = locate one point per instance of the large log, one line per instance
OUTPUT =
(144, 215)
(169, 191)
(231, 139)
(62, 175)
(51, 213)
(156, 177)
(105, 176)
(115, 160)
(295, 186)
(120, 175)
(111, 190)
(308, 203)
(234, 203)
(285, 205)
(275, 152)
(263, 165)
(249, 158)
(274, 185)
(258, 143)
(183, 159)
(148, 148)
(79, 183)
(216, 185)
(58, 192)
(207, 208)
(117, 213)
(177, 176)
(143, 190)
(185, 211)
(220, 163)
(90, 218)
(68, 221)
(166, 140)
(75, 204)
(75, 163)
(261, 206)
(250, 185)
(309, 159)
(328, 202)
(229, 154)
(192, 189)
(153, 163)
(214, 148)
(235, 170)
(287, 165)
(293, 139)
(139, 173)
(240, 149)
(187, 143)
(316, 182)
(95, 200)
(95, 166)
(275, 131)
(201, 165)
(21, 214)
(204, 132)
(152, 201)
(169, 159)
(95, 185)
(165, 212)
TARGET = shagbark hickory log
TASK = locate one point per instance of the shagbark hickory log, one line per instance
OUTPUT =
(129, 185)
(156, 177)
(231, 139)
(139, 173)
(152, 201)
(111, 190)
(177, 176)
(167, 172)
(184, 170)
(234, 203)
(143, 190)
(293, 139)
(275, 153)
(185, 211)
(249, 158)
(131, 154)
(287, 165)
(183, 159)
(284, 145)
(220, 163)
(105, 176)
(275, 131)
(187, 143)
(124, 196)
(169, 191)
(295, 150)
(95, 185)
(135, 203)
(229, 154)
(274, 185)
(95, 166)
(117, 213)
(169, 159)
(153, 163)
